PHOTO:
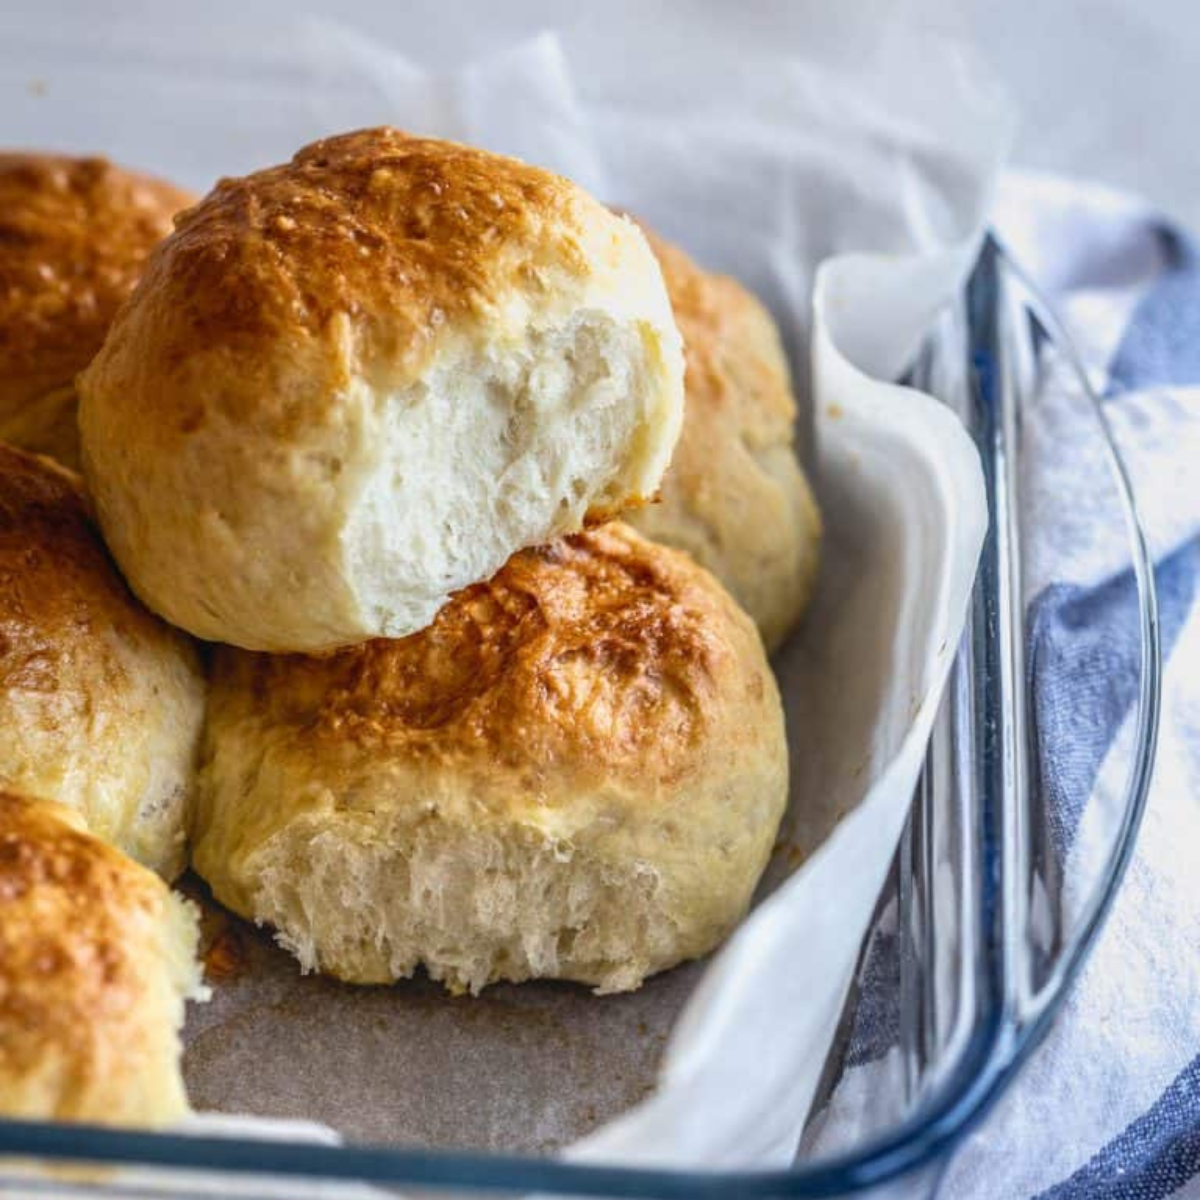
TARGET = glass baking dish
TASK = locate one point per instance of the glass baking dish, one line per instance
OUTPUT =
(988, 931)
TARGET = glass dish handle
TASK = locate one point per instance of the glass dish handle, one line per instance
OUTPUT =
(1017, 326)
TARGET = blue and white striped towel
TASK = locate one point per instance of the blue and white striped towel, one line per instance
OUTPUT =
(1109, 1106)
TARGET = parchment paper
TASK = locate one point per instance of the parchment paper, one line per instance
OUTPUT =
(765, 138)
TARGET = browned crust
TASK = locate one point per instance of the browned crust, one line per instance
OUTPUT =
(600, 654)
(60, 592)
(736, 373)
(81, 931)
(353, 258)
(74, 234)
(734, 494)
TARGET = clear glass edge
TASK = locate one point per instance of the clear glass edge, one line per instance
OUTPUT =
(1001, 1039)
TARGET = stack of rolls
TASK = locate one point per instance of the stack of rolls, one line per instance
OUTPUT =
(101, 707)
(370, 424)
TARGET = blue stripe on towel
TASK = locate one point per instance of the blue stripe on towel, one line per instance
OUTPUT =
(877, 1018)
(1161, 344)
(1155, 1155)
(1084, 668)
(1083, 660)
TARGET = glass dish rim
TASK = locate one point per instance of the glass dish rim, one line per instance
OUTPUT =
(999, 1042)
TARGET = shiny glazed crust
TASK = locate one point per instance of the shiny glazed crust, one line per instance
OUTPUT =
(735, 497)
(96, 956)
(101, 703)
(75, 233)
(576, 772)
(248, 411)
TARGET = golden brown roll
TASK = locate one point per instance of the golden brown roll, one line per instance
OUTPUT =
(74, 234)
(101, 703)
(352, 384)
(96, 958)
(576, 772)
(735, 497)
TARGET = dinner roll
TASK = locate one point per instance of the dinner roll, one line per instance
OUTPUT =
(96, 958)
(350, 385)
(74, 234)
(576, 773)
(100, 703)
(735, 497)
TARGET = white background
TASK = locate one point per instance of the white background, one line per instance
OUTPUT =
(1107, 88)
